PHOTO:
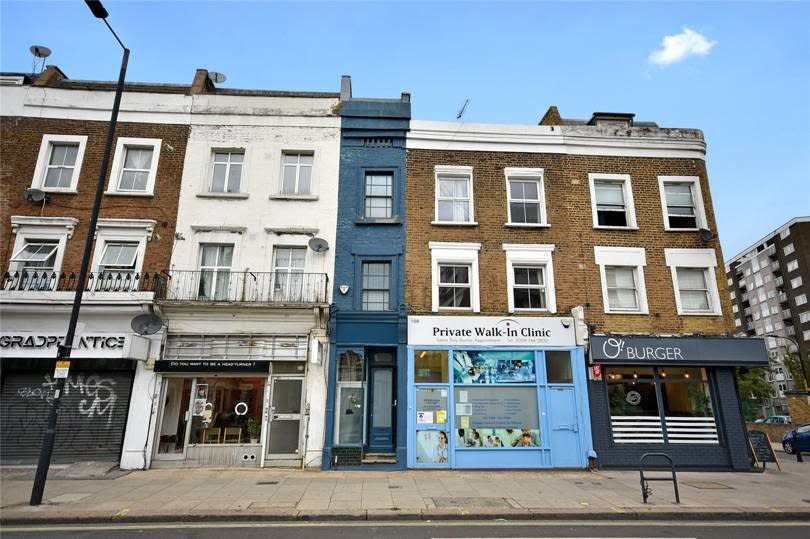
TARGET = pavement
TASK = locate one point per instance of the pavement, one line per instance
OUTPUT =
(211, 495)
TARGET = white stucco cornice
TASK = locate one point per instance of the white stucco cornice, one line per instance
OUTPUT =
(576, 140)
(147, 225)
(20, 221)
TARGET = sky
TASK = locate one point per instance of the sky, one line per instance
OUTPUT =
(739, 71)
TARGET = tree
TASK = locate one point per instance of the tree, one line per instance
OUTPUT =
(753, 385)
(792, 362)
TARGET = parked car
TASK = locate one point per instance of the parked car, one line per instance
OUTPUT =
(779, 419)
(797, 439)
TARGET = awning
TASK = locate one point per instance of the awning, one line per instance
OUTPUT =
(698, 351)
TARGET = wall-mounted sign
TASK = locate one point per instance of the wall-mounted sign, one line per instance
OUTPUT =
(596, 372)
(62, 369)
(491, 330)
(208, 365)
(701, 351)
(87, 345)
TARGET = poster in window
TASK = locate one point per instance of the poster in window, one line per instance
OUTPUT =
(200, 399)
(498, 417)
(431, 446)
(491, 367)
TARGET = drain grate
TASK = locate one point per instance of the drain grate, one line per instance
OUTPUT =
(708, 485)
(267, 482)
(472, 501)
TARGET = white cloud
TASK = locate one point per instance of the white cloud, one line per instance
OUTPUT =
(679, 47)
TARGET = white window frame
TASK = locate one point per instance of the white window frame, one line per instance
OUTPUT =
(209, 182)
(629, 204)
(121, 146)
(34, 229)
(697, 199)
(108, 231)
(796, 282)
(442, 170)
(629, 257)
(458, 254)
(533, 255)
(525, 174)
(792, 265)
(41, 169)
(788, 249)
(695, 258)
(312, 186)
(800, 300)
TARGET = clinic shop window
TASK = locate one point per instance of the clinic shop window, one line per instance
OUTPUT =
(660, 405)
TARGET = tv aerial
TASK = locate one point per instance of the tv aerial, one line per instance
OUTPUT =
(146, 324)
(463, 109)
(40, 52)
(216, 77)
(319, 245)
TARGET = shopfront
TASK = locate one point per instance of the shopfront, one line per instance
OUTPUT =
(232, 400)
(491, 392)
(96, 398)
(676, 395)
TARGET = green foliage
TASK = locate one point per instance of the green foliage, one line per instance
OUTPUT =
(753, 384)
(795, 368)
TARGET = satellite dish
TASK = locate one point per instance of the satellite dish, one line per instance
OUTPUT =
(146, 324)
(705, 234)
(40, 51)
(217, 77)
(35, 195)
(319, 245)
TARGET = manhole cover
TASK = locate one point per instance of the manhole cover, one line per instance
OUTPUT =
(267, 483)
(471, 501)
(708, 485)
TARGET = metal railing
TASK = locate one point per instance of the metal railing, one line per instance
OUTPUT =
(242, 286)
(103, 281)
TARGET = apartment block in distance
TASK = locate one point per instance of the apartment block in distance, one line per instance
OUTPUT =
(768, 283)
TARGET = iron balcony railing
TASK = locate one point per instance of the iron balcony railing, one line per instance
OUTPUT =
(103, 281)
(218, 285)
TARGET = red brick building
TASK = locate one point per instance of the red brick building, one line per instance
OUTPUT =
(52, 136)
(611, 219)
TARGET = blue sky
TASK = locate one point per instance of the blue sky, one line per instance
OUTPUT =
(748, 91)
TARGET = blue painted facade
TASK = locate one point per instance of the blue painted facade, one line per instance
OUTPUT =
(372, 143)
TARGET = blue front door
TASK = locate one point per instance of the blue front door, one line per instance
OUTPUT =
(562, 415)
(381, 405)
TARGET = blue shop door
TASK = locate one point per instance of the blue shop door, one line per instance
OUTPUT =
(381, 424)
(562, 413)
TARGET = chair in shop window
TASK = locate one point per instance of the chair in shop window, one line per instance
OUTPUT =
(233, 435)
(211, 435)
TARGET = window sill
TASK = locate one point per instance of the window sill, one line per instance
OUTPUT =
(699, 314)
(681, 229)
(519, 310)
(453, 223)
(603, 227)
(395, 220)
(223, 195)
(53, 191)
(128, 194)
(293, 197)
(527, 225)
(633, 313)
(455, 310)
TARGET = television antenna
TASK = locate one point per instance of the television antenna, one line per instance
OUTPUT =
(462, 109)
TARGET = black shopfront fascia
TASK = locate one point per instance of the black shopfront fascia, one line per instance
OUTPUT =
(678, 351)
(209, 366)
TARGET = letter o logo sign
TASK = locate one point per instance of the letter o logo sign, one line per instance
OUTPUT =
(241, 408)
(612, 348)
(633, 398)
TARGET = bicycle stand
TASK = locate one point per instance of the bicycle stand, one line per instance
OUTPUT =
(646, 491)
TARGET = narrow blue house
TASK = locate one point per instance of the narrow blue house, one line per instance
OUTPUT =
(367, 390)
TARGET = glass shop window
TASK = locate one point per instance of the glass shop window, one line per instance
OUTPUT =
(558, 368)
(497, 417)
(350, 405)
(227, 411)
(493, 367)
(430, 366)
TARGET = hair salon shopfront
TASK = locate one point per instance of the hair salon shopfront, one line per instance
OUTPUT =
(238, 400)
(492, 392)
(676, 395)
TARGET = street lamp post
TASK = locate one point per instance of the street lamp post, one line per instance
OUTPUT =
(64, 349)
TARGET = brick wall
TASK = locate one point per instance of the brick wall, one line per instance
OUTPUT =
(569, 213)
(20, 139)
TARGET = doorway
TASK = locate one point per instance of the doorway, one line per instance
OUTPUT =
(382, 403)
(284, 420)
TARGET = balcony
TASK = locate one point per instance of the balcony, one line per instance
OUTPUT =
(223, 286)
(105, 281)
